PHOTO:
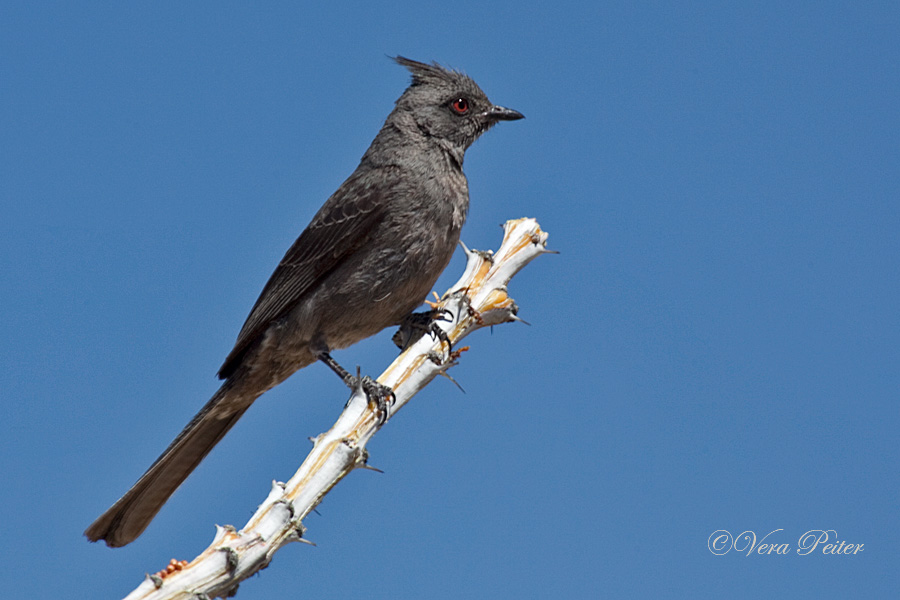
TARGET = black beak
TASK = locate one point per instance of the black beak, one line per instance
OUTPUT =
(499, 113)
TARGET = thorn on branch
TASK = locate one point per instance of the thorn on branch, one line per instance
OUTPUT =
(456, 383)
(515, 317)
(514, 314)
(362, 462)
(296, 534)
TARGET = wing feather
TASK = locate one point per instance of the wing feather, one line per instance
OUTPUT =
(341, 226)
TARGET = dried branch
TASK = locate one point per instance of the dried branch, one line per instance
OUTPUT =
(477, 300)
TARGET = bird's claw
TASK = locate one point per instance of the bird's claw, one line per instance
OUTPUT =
(381, 395)
(418, 324)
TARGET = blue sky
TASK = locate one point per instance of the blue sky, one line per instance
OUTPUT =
(715, 346)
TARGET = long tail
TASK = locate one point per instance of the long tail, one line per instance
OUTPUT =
(126, 519)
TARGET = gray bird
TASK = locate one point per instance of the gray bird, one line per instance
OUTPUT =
(365, 262)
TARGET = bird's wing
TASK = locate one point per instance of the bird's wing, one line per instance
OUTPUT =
(342, 225)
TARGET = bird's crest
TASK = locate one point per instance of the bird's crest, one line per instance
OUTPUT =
(425, 73)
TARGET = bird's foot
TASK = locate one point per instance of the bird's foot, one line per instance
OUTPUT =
(416, 325)
(381, 395)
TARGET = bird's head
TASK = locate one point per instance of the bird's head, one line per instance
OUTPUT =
(448, 106)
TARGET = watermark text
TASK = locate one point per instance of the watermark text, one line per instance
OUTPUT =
(814, 541)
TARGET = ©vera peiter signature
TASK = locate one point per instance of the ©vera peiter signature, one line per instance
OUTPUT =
(815, 540)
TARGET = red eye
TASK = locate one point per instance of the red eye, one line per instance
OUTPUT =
(461, 106)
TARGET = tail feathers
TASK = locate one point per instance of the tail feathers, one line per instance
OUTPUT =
(126, 519)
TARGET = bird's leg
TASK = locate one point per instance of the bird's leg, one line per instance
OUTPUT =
(415, 325)
(381, 395)
(341, 372)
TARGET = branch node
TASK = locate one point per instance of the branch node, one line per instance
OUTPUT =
(290, 507)
(486, 255)
(231, 558)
